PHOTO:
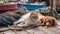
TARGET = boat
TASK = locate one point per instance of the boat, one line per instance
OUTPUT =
(7, 7)
(31, 6)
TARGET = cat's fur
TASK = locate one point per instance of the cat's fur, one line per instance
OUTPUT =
(28, 19)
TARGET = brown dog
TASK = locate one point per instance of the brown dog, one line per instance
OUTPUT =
(47, 21)
(50, 21)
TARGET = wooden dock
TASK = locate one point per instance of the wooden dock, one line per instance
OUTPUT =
(37, 30)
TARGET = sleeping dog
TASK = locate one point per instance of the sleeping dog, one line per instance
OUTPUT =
(35, 19)
(46, 21)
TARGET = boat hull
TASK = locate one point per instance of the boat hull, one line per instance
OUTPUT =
(31, 7)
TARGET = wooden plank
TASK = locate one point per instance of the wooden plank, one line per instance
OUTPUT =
(1, 33)
(58, 27)
(55, 29)
(58, 22)
(35, 31)
(45, 29)
(21, 32)
(9, 32)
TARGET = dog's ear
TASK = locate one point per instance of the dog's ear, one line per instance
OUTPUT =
(51, 21)
(33, 16)
(42, 21)
(54, 22)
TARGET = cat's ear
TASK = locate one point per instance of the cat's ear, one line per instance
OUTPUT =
(34, 13)
(33, 16)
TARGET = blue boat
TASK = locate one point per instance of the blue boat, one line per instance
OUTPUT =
(31, 6)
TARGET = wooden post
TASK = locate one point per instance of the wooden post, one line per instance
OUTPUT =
(51, 4)
(54, 13)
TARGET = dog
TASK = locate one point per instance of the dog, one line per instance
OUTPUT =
(50, 21)
(46, 21)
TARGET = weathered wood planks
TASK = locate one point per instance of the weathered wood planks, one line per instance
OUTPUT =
(36, 30)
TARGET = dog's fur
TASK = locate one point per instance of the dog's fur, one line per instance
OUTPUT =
(35, 18)
(50, 21)
(47, 21)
